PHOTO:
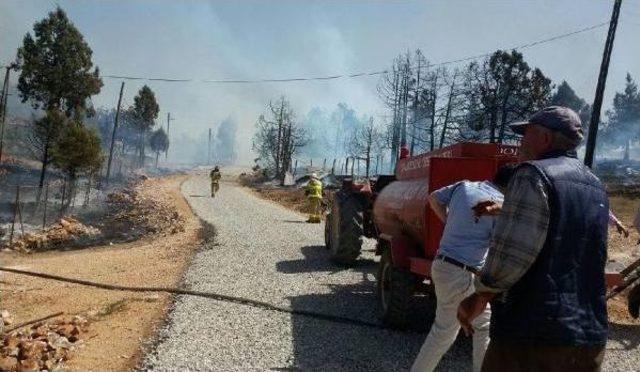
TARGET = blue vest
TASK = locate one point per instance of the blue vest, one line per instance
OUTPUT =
(561, 301)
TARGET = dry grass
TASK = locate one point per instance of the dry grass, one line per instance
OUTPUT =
(624, 208)
(291, 198)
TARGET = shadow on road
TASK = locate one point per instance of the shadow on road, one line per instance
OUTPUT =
(324, 346)
(316, 259)
(626, 334)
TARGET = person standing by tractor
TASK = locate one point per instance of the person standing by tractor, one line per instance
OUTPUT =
(215, 180)
(461, 253)
(313, 191)
(544, 273)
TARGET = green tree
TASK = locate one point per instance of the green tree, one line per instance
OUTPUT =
(159, 142)
(57, 73)
(76, 152)
(145, 111)
(623, 125)
(43, 134)
(566, 96)
(500, 90)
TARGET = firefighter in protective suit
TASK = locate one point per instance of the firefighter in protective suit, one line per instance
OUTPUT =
(313, 191)
(215, 180)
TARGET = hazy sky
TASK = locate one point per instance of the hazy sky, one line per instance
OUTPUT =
(281, 39)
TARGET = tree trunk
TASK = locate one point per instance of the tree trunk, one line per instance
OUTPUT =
(447, 114)
(368, 161)
(45, 163)
(279, 140)
(142, 154)
(434, 97)
(492, 126)
(87, 194)
(157, 155)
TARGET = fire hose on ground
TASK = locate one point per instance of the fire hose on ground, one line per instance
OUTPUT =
(633, 304)
(211, 295)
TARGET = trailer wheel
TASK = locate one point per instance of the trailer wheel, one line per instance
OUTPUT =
(327, 232)
(633, 302)
(346, 228)
(395, 289)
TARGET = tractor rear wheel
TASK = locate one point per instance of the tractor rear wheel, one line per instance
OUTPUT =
(396, 287)
(346, 228)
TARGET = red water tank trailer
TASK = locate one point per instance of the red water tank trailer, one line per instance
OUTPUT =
(401, 211)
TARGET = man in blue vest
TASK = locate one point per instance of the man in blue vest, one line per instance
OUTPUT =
(544, 273)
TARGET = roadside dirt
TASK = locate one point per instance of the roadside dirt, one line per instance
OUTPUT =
(120, 322)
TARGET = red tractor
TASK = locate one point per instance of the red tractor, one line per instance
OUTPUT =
(394, 211)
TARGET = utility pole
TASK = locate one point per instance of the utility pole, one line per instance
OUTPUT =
(209, 151)
(113, 134)
(169, 118)
(3, 106)
(602, 80)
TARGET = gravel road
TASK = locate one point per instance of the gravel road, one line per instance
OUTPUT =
(265, 252)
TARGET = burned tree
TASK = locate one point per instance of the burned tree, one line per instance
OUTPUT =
(278, 137)
(394, 90)
(366, 142)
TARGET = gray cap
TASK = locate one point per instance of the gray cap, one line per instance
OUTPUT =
(556, 118)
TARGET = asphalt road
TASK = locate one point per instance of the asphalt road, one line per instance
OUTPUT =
(265, 252)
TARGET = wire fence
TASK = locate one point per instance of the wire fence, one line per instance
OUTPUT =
(347, 166)
(30, 208)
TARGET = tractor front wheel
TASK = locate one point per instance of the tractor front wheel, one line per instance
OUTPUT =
(345, 228)
(396, 286)
(327, 232)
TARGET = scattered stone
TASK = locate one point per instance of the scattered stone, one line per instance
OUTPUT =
(6, 317)
(44, 346)
(8, 363)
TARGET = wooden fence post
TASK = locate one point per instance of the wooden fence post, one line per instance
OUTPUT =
(15, 213)
(19, 211)
(46, 201)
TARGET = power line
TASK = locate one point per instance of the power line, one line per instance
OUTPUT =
(354, 75)
(360, 74)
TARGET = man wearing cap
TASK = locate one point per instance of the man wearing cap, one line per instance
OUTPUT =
(544, 273)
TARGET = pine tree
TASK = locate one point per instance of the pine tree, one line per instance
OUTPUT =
(623, 125)
(145, 111)
(159, 142)
(57, 75)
